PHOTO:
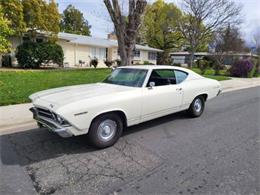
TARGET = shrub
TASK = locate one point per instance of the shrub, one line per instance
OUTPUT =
(251, 74)
(33, 55)
(256, 63)
(6, 61)
(147, 63)
(241, 68)
(211, 61)
(176, 64)
(108, 63)
(26, 55)
(50, 52)
(202, 65)
(94, 62)
(118, 62)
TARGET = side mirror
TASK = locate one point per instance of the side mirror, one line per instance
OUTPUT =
(151, 85)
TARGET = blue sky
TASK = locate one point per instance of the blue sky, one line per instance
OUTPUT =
(95, 12)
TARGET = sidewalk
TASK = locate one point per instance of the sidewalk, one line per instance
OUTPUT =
(239, 83)
(18, 116)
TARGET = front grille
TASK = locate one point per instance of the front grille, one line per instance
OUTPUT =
(45, 113)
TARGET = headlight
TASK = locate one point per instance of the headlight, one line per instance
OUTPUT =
(61, 120)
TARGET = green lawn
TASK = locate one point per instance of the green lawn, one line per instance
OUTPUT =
(16, 86)
(210, 74)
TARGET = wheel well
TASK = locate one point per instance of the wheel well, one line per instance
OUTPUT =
(121, 114)
(204, 96)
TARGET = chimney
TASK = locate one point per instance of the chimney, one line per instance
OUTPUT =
(112, 36)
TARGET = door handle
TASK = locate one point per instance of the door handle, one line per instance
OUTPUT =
(179, 89)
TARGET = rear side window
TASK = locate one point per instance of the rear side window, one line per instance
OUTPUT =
(162, 77)
(180, 76)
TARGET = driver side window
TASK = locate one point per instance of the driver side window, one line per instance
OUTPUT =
(162, 77)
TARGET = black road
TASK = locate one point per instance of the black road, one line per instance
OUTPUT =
(217, 153)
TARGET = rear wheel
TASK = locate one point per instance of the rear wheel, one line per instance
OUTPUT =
(105, 130)
(197, 107)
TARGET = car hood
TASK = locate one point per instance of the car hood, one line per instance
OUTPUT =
(64, 95)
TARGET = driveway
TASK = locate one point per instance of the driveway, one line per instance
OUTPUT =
(217, 153)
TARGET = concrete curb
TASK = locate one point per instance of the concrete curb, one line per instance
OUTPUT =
(18, 116)
(15, 115)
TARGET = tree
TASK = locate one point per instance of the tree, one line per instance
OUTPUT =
(229, 40)
(226, 41)
(204, 17)
(73, 21)
(5, 32)
(13, 11)
(52, 17)
(41, 16)
(126, 28)
(160, 28)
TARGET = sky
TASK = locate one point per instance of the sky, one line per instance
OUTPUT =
(96, 14)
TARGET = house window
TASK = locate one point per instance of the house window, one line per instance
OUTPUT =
(99, 53)
(152, 56)
(136, 53)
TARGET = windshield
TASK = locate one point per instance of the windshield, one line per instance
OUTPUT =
(127, 76)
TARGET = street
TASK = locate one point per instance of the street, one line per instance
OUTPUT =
(217, 153)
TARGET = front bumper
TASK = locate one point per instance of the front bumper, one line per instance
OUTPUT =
(52, 125)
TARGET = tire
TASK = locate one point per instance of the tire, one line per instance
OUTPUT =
(105, 130)
(197, 107)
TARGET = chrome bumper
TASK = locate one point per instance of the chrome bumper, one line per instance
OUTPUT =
(62, 131)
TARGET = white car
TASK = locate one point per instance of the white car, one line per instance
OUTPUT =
(129, 96)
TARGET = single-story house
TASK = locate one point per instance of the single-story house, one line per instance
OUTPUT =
(79, 50)
(183, 57)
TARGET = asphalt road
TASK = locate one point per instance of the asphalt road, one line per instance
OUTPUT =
(217, 153)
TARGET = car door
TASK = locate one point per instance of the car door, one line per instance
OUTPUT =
(164, 97)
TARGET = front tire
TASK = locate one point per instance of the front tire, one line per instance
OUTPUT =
(197, 107)
(105, 130)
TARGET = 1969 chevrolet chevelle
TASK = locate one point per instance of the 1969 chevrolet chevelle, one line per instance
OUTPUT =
(129, 96)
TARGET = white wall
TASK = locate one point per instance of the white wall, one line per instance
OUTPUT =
(73, 53)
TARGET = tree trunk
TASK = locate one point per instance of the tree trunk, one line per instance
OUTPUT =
(192, 56)
(164, 58)
(126, 28)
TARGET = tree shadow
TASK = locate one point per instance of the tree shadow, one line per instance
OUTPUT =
(35, 145)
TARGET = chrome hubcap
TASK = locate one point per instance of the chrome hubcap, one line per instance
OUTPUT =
(197, 105)
(107, 129)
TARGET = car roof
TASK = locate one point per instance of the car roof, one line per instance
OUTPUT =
(148, 67)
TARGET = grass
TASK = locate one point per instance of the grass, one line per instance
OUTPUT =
(210, 74)
(17, 85)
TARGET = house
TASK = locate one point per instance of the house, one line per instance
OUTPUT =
(183, 57)
(79, 50)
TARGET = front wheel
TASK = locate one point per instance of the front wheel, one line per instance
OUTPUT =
(197, 107)
(106, 130)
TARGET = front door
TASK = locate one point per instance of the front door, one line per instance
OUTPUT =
(164, 97)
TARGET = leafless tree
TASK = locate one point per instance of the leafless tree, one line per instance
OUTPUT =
(225, 42)
(203, 17)
(126, 27)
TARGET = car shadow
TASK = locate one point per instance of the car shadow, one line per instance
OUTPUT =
(37, 145)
